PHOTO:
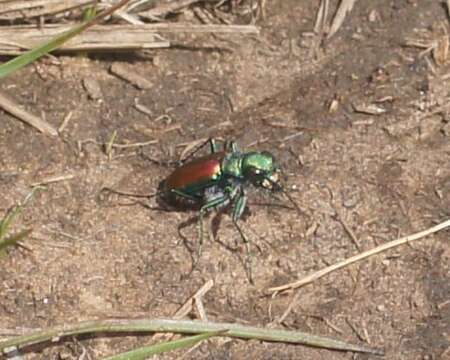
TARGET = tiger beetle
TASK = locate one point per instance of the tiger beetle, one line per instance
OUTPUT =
(219, 180)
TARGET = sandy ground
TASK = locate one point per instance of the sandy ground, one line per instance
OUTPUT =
(360, 125)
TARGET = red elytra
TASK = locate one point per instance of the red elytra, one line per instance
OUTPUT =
(196, 172)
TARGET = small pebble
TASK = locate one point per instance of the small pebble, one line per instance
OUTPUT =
(92, 88)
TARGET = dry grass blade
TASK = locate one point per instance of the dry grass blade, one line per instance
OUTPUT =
(161, 10)
(98, 38)
(344, 7)
(321, 17)
(34, 54)
(19, 9)
(364, 255)
(107, 37)
(14, 109)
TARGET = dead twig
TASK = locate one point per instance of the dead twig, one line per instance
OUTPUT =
(344, 263)
(142, 108)
(348, 230)
(138, 144)
(187, 306)
(14, 109)
(53, 179)
(118, 146)
(356, 330)
(65, 122)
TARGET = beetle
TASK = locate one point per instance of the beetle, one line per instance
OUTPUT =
(221, 179)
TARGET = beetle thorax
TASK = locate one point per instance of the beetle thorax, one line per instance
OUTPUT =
(262, 161)
(232, 165)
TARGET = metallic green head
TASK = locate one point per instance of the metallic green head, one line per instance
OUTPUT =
(260, 169)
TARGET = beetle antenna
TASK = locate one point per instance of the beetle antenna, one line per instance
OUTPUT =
(278, 187)
(291, 200)
(279, 203)
(159, 162)
(124, 193)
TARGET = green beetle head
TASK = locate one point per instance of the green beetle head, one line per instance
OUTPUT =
(261, 170)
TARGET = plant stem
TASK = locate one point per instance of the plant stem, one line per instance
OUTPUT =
(185, 327)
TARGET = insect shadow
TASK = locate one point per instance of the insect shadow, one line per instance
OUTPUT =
(165, 203)
(214, 221)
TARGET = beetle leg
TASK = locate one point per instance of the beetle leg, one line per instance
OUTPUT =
(208, 206)
(233, 146)
(239, 206)
(238, 210)
(183, 195)
(213, 145)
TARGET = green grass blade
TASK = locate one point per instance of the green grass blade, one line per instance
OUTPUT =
(185, 327)
(90, 13)
(13, 239)
(8, 220)
(12, 214)
(31, 55)
(146, 351)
